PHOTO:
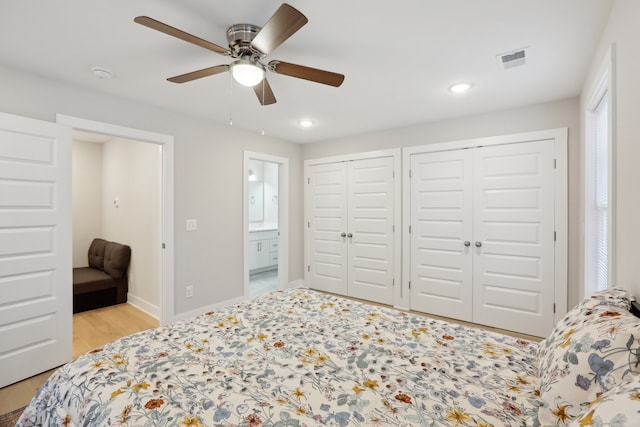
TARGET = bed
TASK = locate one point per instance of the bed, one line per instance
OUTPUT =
(303, 358)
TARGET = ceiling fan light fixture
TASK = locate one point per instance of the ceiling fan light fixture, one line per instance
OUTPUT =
(247, 72)
(305, 123)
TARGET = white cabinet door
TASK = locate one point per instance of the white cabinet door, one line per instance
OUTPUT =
(35, 247)
(441, 224)
(253, 255)
(370, 229)
(260, 249)
(514, 224)
(328, 218)
(351, 244)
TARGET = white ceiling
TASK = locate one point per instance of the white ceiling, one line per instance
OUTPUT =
(398, 57)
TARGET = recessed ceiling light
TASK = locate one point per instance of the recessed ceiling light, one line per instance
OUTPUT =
(460, 87)
(102, 73)
(305, 123)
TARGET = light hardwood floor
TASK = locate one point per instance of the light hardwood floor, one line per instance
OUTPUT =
(91, 329)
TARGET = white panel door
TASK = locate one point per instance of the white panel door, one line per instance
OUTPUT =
(514, 237)
(35, 247)
(441, 225)
(371, 228)
(328, 227)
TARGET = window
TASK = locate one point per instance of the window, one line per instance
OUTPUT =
(599, 272)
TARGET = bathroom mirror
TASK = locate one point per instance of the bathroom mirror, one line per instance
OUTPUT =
(256, 201)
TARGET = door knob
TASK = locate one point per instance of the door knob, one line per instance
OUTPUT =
(478, 244)
(343, 234)
(467, 243)
(349, 235)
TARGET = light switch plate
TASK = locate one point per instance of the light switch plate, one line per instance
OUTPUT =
(191, 225)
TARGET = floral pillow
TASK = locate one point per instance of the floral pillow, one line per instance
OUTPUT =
(592, 350)
(619, 406)
(610, 297)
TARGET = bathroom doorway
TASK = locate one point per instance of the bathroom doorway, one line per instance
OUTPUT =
(265, 201)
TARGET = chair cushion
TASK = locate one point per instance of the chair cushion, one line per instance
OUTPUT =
(87, 279)
(116, 259)
(96, 254)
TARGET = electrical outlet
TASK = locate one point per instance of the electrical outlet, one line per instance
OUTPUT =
(191, 225)
(189, 291)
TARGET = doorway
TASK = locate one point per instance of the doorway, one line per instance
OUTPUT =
(116, 192)
(265, 183)
(165, 307)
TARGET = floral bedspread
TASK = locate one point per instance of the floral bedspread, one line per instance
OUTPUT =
(297, 358)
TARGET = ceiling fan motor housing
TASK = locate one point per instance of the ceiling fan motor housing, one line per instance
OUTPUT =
(239, 37)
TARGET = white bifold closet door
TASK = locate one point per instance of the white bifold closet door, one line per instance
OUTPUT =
(351, 228)
(441, 223)
(482, 240)
(35, 247)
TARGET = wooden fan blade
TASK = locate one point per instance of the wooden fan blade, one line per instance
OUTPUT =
(172, 31)
(307, 73)
(264, 93)
(194, 75)
(286, 21)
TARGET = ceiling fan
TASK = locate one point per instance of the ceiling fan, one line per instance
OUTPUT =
(249, 45)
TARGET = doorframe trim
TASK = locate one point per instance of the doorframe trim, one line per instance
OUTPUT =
(283, 216)
(560, 138)
(166, 142)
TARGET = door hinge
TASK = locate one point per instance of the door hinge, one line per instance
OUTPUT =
(308, 224)
(308, 180)
(409, 284)
(554, 236)
(393, 174)
(409, 173)
(393, 283)
(554, 308)
(409, 229)
(164, 246)
(394, 228)
(554, 163)
(308, 268)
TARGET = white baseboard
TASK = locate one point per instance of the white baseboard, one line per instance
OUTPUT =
(295, 284)
(212, 307)
(143, 305)
(198, 311)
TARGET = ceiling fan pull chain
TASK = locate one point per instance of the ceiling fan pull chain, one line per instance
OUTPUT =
(230, 99)
(262, 102)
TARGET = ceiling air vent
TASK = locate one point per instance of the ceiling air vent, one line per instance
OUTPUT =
(512, 59)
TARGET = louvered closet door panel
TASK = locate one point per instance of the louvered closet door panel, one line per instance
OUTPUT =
(514, 222)
(371, 221)
(328, 250)
(441, 221)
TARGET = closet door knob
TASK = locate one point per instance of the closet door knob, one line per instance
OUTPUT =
(343, 234)
(467, 243)
(349, 235)
(478, 244)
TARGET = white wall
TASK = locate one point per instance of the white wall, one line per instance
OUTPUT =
(623, 30)
(86, 198)
(132, 176)
(558, 114)
(208, 168)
